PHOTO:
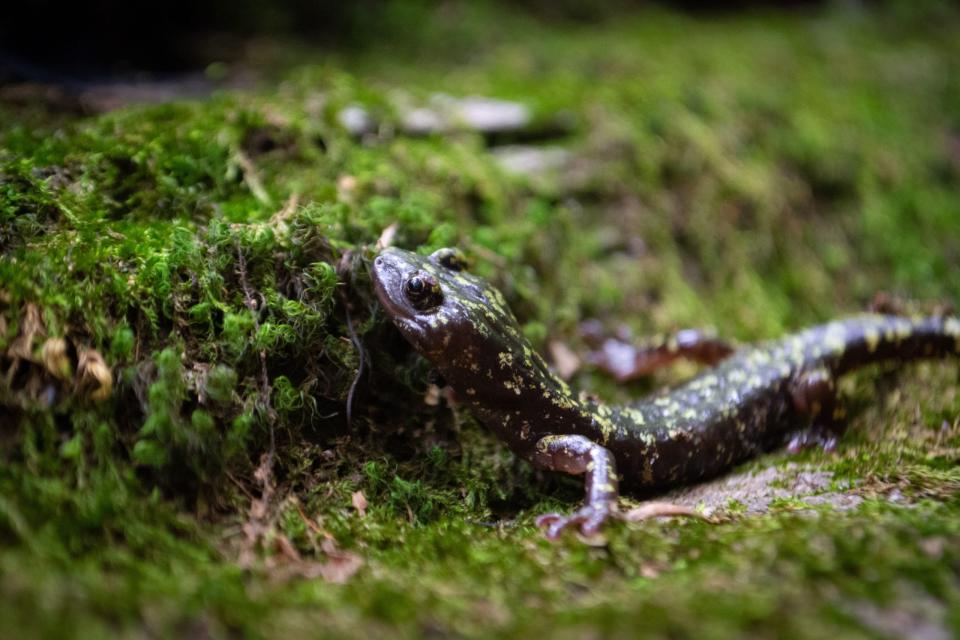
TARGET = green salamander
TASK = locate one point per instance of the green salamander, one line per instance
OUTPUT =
(755, 399)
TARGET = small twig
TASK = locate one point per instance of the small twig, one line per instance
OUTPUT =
(649, 510)
(363, 356)
(240, 486)
(258, 522)
(310, 523)
(346, 267)
(288, 209)
(136, 344)
(252, 177)
(251, 304)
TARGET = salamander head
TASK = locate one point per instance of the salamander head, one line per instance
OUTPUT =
(455, 319)
(463, 326)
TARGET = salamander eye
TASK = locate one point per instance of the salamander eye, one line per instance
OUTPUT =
(423, 291)
(416, 286)
(450, 258)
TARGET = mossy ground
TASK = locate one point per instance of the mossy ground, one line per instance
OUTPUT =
(753, 172)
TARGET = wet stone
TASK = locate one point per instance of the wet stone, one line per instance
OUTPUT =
(446, 114)
(531, 161)
(755, 491)
(356, 120)
(487, 115)
(422, 121)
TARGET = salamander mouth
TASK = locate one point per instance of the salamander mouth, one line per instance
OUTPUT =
(388, 273)
(388, 284)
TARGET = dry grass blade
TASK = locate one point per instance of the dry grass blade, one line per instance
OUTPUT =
(662, 510)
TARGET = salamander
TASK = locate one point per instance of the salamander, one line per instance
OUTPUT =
(755, 399)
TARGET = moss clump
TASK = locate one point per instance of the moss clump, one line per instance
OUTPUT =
(186, 324)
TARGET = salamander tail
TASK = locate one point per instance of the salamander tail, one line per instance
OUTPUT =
(861, 340)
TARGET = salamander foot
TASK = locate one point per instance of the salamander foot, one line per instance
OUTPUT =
(823, 437)
(589, 519)
(814, 394)
(577, 455)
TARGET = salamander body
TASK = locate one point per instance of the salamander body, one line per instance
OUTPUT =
(752, 401)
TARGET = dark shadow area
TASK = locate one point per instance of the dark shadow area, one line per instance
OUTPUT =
(61, 43)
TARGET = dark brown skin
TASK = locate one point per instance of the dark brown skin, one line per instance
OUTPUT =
(758, 398)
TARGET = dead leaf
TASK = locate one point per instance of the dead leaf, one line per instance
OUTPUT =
(346, 186)
(340, 564)
(565, 361)
(387, 236)
(21, 347)
(359, 502)
(432, 397)
(596, 540)
(92, 369)
(649, 571)
(341, 568)
(55, 359)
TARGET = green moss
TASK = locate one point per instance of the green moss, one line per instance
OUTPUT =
(756, 173)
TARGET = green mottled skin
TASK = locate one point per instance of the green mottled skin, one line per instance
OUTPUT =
(745, 405)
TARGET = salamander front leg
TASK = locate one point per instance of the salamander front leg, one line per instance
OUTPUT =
(814, 394)
(579, 455)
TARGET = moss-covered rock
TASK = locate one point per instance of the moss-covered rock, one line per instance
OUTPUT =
(207, 423)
